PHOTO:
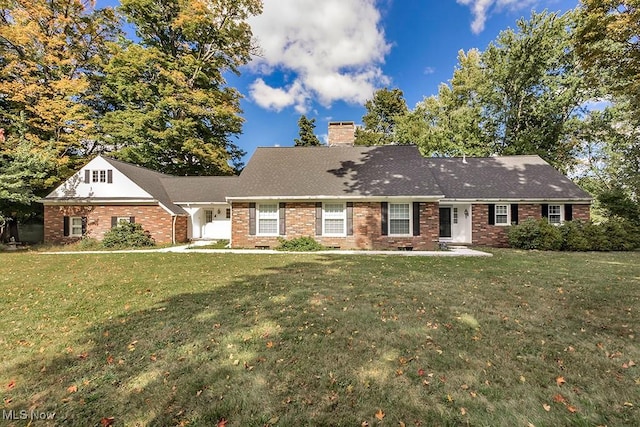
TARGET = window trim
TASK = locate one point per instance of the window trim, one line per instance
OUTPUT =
(72, 226)
(123, 218)
(326, 215)
(208, 212)
(560, 214)
(276, 215)
(410, 218)
(508, 215)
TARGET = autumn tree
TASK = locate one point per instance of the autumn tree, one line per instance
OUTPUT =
(305, 130)
(380, 119)
(171, 108)
(51, 52)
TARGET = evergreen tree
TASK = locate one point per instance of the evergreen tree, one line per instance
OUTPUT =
(307, 137)
(380, 119)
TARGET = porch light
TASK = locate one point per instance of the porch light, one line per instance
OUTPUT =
(466, 213)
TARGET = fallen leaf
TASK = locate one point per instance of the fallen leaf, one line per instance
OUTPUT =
(401, 424)
(364, 424)
(628, 404)
(399, 372)
(106, 422)
(199, 392)
(83, 355)
(72, 388)
(558, 398)
(546, 407)
(420, 372)
(109, 360)
(464, 387)
(380, 414)
(153, 357)
(522, 379)
(222, 423)
(270, 344)
(11, 384)
(560, 381)
(463, 411)
(571, 409)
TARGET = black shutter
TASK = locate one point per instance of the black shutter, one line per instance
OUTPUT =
(568, 212)
(349, 218)
(318, 218)
(514, 213)
(281, 212)
(87, 176)
(109, 176)
(545, 211)
(84, 225)
(492, 214)
(65, 226)
(416, 218)
(132, 219)
(114, 221)
(384, 214)
(252, 219)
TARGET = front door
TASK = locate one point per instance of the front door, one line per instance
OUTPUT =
(445, 223)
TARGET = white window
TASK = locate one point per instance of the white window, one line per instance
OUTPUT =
(208, 215)
(334, 219)
(502, 214)
(75, 229)
(268, 219)
(99, 176)
(123, 219)
(555, 214)
(399, 219)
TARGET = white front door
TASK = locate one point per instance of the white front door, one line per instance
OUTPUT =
(455, 223)
(216, 223)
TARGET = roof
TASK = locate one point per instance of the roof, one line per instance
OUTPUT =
(336, 172)
(148, 180)
(199, 189)
(508, 177)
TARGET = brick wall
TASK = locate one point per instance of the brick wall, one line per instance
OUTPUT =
(341, 133)
(152, 218)
(300, 221)
(496, 235)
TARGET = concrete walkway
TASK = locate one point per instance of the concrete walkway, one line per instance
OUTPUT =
(453, 251)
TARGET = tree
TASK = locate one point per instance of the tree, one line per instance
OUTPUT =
(51, 53)
(307, 137)
(607, 42)
(170, 108)
(450, 123)
(380, 119)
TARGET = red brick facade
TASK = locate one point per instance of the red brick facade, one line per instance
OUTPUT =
(496, 235)
(153, 218)
(300, 221)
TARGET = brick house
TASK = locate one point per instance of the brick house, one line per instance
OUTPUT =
(351, 197)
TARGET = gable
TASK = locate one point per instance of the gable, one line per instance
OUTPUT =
(98, 187)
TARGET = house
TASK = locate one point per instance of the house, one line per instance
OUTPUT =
(106, 191)
(351, 197)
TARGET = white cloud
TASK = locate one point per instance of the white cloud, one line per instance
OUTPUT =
(333, 47)
(482, 8)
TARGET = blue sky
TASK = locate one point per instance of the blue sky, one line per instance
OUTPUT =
(324, 58)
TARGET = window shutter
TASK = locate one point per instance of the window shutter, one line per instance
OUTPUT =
(281, 213)
(65, 226)
(252, 219)
(349, 218)
(318, 218)
(568, 212)
(384, 214)
(109, 176)
(416, 218)
(87, 176)
(132, 219)
(545, 210)
(84, 225)
(514, 213)
(114, 221)
(492, 214)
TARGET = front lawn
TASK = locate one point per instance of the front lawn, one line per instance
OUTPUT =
(520, 339)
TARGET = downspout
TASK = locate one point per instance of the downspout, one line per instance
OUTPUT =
(173, 229)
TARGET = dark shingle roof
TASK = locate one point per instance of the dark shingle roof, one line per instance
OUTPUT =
(316, 172)
(199, 189)
(148, 180)
(509, 177)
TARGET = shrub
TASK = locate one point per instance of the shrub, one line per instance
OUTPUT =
(128, 235)
(612, 235)
(535, 234)
(299, 244)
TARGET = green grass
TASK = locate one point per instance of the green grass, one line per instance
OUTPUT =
(191, 339)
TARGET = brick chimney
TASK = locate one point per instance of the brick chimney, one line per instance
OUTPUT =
(342, 134)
